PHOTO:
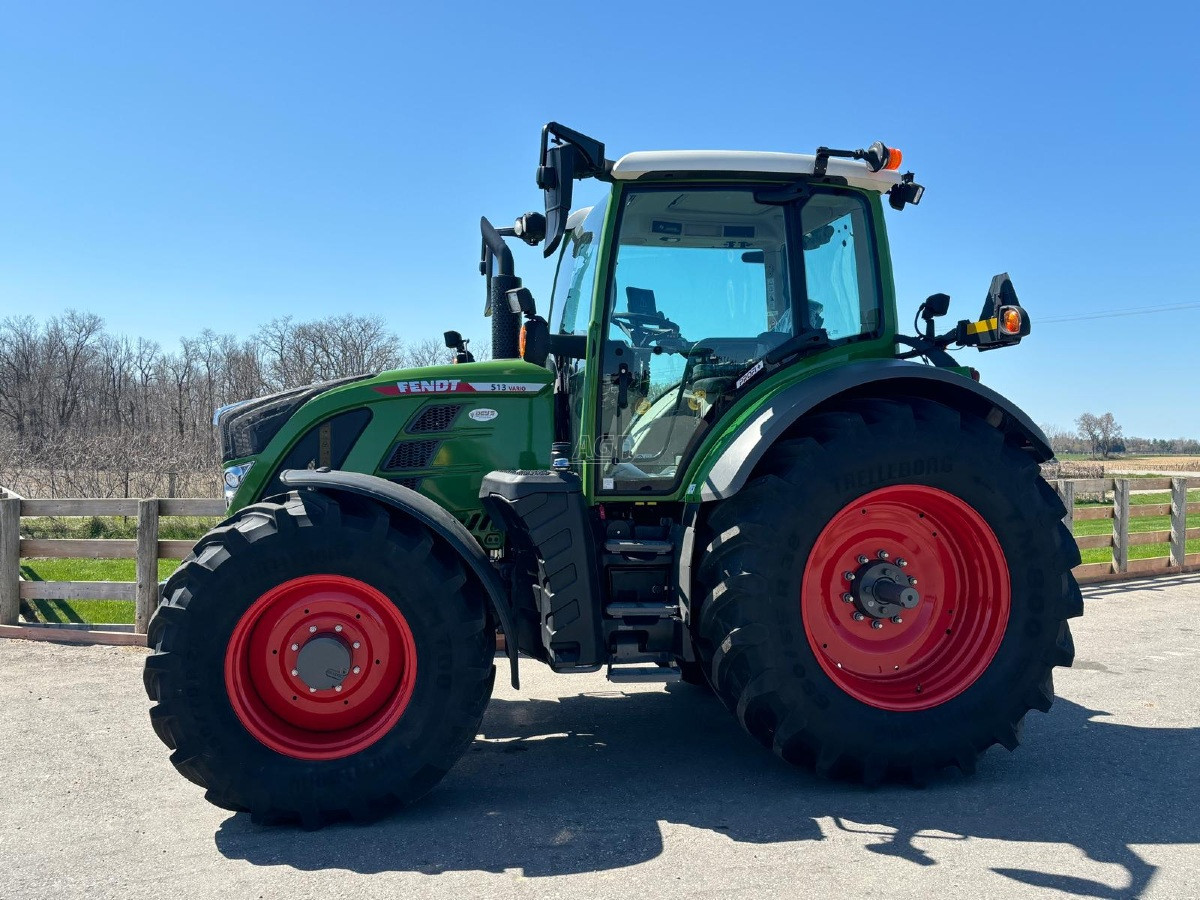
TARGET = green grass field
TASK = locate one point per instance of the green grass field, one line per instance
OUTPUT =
(111, 527)
(1136, 524)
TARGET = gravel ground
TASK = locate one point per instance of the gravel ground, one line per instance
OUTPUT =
(576, 788)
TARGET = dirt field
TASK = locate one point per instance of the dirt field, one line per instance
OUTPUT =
(1156, 463)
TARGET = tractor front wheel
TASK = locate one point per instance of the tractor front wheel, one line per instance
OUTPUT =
(889, 593)
(318, 659)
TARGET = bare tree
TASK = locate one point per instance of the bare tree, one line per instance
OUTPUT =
(87, 413)
(425, 352)
(1110, 434)
(1089, 430)
(1102, 433)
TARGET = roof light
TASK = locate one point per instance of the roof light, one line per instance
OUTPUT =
(894, 158)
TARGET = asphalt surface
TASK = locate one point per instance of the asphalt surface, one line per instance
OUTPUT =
(578, 789)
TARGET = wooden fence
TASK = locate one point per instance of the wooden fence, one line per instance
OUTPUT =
(147, 549)
(1123, 536)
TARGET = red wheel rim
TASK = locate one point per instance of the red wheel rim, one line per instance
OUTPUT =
(945, 642)
(278, 643)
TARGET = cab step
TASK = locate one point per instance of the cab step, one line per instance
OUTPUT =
(643, 674)
(640, 610)
(635, 545)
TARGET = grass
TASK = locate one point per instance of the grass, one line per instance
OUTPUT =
(1136, 524)
(89, 611)
(183, 528)
(170, 528)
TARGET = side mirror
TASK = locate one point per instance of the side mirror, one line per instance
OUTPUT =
(1002, 321)
(935, 305)
(574, 155)
(455, 342)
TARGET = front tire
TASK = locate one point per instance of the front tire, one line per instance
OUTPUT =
(318, 659)
(816, 665)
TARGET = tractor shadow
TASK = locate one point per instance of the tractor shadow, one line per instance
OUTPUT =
(581, 785)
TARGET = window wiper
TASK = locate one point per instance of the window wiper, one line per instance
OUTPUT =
(797, 345)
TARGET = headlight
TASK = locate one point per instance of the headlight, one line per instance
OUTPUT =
(233, 479)
(246, 427)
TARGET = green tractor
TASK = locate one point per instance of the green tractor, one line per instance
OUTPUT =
(714, 458)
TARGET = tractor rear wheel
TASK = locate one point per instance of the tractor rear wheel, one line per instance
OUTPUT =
(318, 659)
(889, 593)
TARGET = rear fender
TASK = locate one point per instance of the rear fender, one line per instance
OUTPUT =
(728, 468)
(433, 517)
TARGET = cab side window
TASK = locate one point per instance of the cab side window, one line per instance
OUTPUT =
(839, 272)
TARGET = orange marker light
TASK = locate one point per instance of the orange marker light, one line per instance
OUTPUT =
(1011, 320)
(521, 343)
(895, 157)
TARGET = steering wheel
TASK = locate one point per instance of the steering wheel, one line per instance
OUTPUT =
(642, 328)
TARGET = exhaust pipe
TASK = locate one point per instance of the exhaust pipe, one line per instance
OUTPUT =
(506, 324)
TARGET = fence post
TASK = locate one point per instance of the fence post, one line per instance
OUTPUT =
(1121, 525)
(10, 561)
(147, 564)
(1066, 490)
(1178, 521)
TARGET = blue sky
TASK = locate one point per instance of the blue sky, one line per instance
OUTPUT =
(173, 167)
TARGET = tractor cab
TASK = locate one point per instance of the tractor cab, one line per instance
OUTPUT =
(696, 279)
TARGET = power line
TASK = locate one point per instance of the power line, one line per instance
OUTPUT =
(1115, 313)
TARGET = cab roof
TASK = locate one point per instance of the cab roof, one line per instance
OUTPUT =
(654, 163)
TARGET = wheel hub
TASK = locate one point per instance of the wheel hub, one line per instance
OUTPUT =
(882, 590)
(320, 667)
(323, 662)
(881, 633)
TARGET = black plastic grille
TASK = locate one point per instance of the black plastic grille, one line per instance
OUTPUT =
(435, 418)
(411, 483)
(412, 455)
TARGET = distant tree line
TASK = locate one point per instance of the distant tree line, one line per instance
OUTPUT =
(84, 412)
(1100, 436)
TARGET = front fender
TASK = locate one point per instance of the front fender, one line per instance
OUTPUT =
(727, 468)
(431, 516)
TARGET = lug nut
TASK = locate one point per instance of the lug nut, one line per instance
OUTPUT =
(357, 645)
(902, 562)
(337, 627)
(857, 617)
(862, 560)
(912, 581)
(295, 647)
(899, 620)
(875, 623)
(849, 576)
(312, 690)
(337, 687)
(882, 554)
(356, 670)
(847, 598)
(295, 672)
(312, 629)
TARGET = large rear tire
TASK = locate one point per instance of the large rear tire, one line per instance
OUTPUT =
(318, 659)
(815, 657)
